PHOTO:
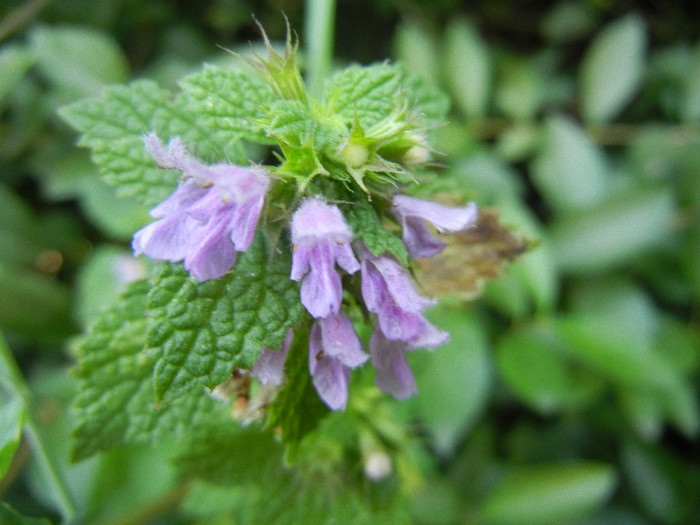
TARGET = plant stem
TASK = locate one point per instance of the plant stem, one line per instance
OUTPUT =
(318, 32)
(12, 373)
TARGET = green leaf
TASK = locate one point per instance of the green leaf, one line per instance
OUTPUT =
(454, 382)
(545, 494)
(469, 68)
(114, 127)
(570, 170)
(521, 88)
(297, 409)
(612, 69)
(663, 485)
(290, 122)
(9, 516)
(228, 102)
(614, 232)
(365, 222)
(116, 403)
(533, 363)
(373, 93)
(206, 329)
(78, 59)
(418, 51)
(15, 61)
(68, 175)
(231, 455)
(598, 341)
(369, 94)
(12, 416)
(691, 103)
(103, 276)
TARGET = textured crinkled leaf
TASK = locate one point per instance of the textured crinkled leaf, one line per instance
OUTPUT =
(370, 94)
(290, 122)
(228, 102)
(365, 222)
(113, 127)
(115, 124)
(116, 403)
(206, 329)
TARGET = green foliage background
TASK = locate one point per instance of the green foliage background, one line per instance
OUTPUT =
(569, 391)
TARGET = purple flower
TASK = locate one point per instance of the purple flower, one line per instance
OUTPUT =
(210, 216)
(269, 368)
(388, 292)
(334, 349)
(393, 376)
(413, 213)
(321, 238)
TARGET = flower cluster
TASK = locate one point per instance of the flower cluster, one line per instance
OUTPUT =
(214, 213)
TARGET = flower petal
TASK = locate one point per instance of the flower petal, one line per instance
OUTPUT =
(340, 341)
(393, 375)
(269, 367)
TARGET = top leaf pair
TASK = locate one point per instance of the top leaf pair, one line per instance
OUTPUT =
(342, 161)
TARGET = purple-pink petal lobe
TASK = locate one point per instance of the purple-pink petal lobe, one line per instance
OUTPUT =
(210, 217)
(321, 240)
(414, 213)
(269, 368)
(389, 293)
(393, 375)
(334, 348)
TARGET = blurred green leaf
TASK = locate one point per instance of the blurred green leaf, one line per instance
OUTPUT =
(455, 380)
(534, 364)
(690, 110)
(613, 68)
(78, 59)
(12, 416)
(570, 171)
(604, 344)
(546, 494)
(666, 487)
(15, 61)
(520, 88)
(102, 278)
(468, 68)
(417, 50)
(30, 300)
(66, 175)
(615, 298)
(568, 20)
(9, 516)
(614, 232)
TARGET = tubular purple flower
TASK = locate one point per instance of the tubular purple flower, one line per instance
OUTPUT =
(321, 239)
(393, 376)
(269, 368)
(389, 293)
(334, 349)
(212, 214)
(413, 213)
